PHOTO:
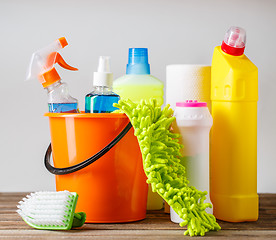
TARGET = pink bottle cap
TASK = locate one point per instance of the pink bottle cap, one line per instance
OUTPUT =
(191, 103)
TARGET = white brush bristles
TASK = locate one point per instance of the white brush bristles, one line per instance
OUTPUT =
(46, 208)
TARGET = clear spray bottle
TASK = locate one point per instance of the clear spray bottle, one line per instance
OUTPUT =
(101, 99)
(42, 68)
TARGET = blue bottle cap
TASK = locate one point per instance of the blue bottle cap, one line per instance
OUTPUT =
(138, 61)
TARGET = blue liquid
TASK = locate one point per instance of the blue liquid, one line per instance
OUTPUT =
(100, 103)
(63, 107)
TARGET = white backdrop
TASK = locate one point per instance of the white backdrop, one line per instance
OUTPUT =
(175, 31)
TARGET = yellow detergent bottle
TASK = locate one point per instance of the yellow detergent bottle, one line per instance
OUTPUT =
(234, 95)
(138, 84)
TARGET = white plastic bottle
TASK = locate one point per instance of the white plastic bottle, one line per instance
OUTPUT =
(193, 122)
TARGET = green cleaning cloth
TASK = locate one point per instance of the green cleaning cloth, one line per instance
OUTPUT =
(161, 160)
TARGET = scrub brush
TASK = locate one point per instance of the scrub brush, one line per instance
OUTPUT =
(161, 161)
(51, 210)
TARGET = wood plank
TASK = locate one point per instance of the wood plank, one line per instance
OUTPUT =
(132, 234)
(157, 225)
(155, 222)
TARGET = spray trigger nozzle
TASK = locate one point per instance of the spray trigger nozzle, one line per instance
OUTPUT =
(43, 61)
(55, 57)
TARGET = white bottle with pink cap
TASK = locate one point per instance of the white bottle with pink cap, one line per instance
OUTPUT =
(193, 122)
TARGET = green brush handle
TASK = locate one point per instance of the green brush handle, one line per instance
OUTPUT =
(79, 219)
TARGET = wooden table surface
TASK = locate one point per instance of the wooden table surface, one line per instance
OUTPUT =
(157, 225)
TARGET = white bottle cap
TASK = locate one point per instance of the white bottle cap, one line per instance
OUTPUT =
(103, 77)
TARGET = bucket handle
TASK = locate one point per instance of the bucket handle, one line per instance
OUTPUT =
(87, 162)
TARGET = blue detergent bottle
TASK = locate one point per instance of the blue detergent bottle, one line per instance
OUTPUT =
(42, 68)
(101, 99)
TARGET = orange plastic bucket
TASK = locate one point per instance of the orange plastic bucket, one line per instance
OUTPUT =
(113, 188)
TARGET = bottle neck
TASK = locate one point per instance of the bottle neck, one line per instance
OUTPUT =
(234, 51)
(103, 89)
(138, 68)
(53, 86)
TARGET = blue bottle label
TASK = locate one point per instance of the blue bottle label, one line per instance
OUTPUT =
(101, 103)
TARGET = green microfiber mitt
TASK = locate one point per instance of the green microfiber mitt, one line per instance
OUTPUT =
(161, 152)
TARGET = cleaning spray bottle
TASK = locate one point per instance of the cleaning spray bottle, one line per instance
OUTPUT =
(101, 99)
(234, 95)
(138, 84)
(42, 68)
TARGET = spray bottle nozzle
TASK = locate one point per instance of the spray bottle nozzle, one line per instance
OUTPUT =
(103, 77)
(104, 64)
(43, 60)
